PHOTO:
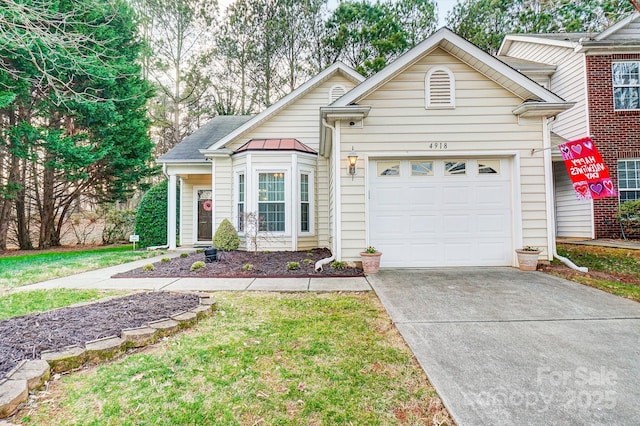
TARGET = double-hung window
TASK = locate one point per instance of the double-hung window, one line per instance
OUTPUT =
(305, 211)
(629, 179)
(626, 85)
(241, 201)
(271, 202)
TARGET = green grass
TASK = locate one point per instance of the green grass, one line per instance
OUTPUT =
(27, 302)
(272, 359)
(17, 271)
(616, 271)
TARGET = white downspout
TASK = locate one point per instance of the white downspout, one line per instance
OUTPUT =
(320, 263)
(551, 199)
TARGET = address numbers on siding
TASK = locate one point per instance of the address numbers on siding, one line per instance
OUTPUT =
(440, 146)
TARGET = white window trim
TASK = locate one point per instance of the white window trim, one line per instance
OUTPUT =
(236, 196)
(310, 173)
(614, 86)
(452, 89)
(287, 197)
(620, 189)
(195, 239)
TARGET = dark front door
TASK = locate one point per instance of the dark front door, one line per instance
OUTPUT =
(205, 215)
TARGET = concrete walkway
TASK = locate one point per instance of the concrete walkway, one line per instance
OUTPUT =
(505, 347)
(101, 279)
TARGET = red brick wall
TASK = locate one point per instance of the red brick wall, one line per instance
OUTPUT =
(615, 133)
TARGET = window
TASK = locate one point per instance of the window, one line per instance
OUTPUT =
(452, 168)
(271, 202)
(305, 213)
(440, 88)
(488, 167)
(629, 179)
(241, 200)
(388, 168)
(626, 85)
(422, 168)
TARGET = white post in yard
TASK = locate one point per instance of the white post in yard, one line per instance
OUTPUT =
(171, 213)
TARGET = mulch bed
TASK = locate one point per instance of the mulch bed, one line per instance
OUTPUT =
(264, 264)
(28, 336)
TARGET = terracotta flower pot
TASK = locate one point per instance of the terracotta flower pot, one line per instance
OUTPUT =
(527, 259)
(370, 262)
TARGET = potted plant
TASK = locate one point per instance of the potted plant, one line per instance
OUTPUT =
(370, 260)
(528, 258)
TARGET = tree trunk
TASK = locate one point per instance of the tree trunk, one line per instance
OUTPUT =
(22, 216)
(47, 208)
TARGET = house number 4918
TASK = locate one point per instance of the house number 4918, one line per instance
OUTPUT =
(438, 145)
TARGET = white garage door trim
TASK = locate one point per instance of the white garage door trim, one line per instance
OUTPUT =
(509, 169)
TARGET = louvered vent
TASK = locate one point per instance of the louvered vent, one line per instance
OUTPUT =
(440, 89)
(336, 92)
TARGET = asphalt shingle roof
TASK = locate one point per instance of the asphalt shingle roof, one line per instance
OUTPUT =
(189, 149)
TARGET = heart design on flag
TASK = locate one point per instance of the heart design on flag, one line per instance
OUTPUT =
(565, 151)
(588, 145)
(608, 185)
(582, 189)
(596, 187)
(577, 149)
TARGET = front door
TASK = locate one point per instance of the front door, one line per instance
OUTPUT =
(205, 216)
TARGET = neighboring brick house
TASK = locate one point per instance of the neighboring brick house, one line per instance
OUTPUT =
(601, 73)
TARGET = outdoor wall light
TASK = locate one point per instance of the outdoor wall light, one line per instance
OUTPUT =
(352, 159)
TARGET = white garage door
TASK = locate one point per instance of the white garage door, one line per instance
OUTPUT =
(441, 212)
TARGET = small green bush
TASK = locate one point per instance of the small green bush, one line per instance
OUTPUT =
(118, 225)
(307, 261)
(148, 267)
(197, 265)
(339, 265)
(183, 255)
(293, 266)
(247, 267)
(226, 237)
(165, 260)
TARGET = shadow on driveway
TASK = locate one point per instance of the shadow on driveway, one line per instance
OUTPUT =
(505, 347)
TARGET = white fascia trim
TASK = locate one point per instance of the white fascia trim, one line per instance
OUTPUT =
(283, 102)
(531, 38)
(617, 26)
(444, 34)
(545, 109)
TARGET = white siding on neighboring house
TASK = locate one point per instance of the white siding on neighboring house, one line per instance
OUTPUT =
(481, 123)
(573, 216)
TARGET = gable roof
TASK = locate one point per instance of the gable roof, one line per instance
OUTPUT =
(285, 101)
(188, 150)
(618, 27)
(467, 52)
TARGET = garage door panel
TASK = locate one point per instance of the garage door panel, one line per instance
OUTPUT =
(440, 220)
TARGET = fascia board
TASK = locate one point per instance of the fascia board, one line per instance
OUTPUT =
(617, 26)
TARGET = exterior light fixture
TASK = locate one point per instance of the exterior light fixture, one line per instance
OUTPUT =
(352, 159)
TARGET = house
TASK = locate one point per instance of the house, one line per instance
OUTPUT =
(437, 160)
(600, 73)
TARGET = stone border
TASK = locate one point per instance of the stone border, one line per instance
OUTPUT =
(30, 375)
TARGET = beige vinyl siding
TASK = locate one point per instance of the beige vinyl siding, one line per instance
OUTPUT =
(567, 82)
(573, 216)
(223, 191)
(189, 183)
(482, 122)
(323, 203)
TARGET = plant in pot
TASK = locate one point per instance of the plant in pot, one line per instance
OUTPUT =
(528, 258)
(370, 260)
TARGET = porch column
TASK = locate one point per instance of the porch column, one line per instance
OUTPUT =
(171, 213)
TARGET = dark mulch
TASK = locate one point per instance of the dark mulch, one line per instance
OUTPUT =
(27, 336)
(264, 264)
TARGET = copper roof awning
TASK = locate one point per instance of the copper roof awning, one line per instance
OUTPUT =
(275, 145)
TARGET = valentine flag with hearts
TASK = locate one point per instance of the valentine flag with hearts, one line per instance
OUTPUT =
(588, 172)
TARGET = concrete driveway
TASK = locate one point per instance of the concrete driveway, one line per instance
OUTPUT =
(505, 347)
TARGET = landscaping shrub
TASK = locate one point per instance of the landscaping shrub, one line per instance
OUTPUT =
(226, 237)
(151, 217)
(148, 267)
(197, 265)
(629, 216)
(293, 266)
(119, 224)
(339, 265)
(183, 255)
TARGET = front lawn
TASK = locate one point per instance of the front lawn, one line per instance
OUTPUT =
(265, 358)
(26, 269)
(22, 303)
(614, 270)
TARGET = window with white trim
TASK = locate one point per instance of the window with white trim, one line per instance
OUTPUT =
(336, 92)
(626, 85)
(629, 179)
(305, 203)
(241, 202)
(440, 88)
(271, 202)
